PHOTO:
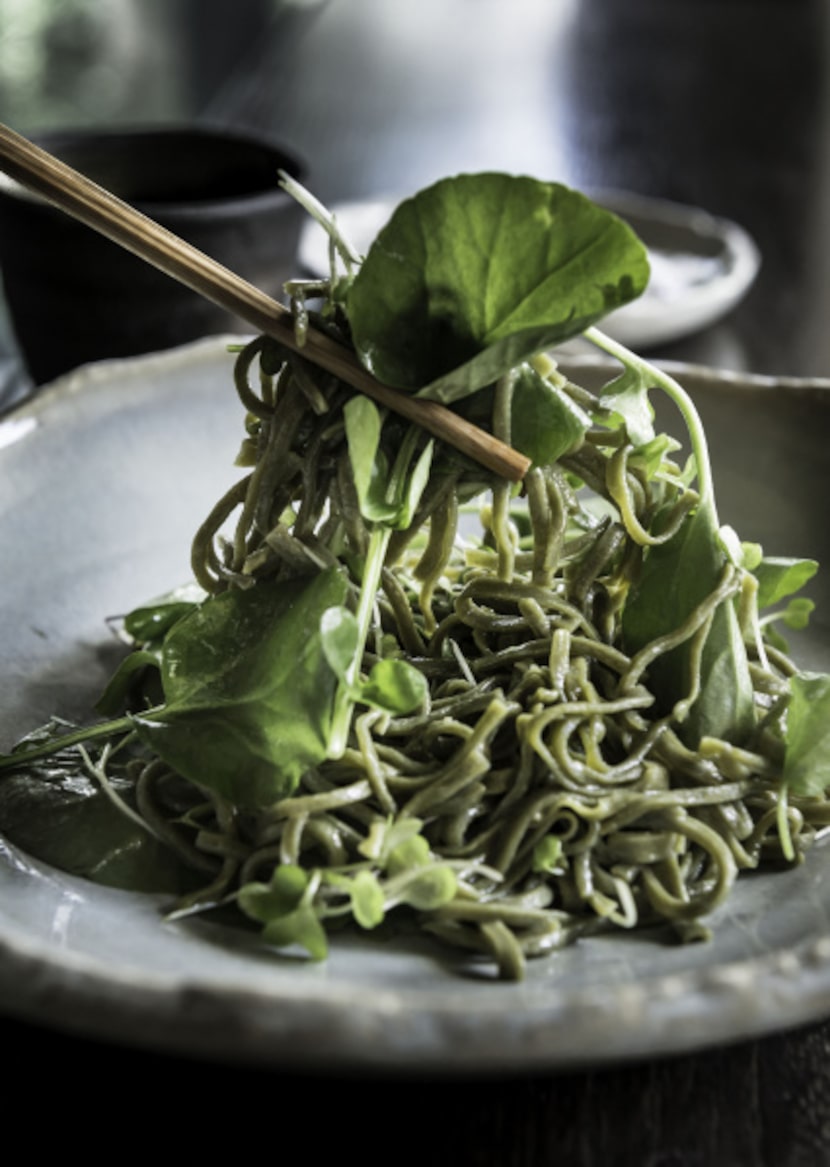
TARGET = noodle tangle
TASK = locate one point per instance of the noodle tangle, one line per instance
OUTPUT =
(543, 770)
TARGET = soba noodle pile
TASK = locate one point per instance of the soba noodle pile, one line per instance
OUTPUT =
(546, 786)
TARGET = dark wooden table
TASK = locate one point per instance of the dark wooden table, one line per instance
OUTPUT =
(718, 103)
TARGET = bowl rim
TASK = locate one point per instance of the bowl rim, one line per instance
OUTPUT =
(228, 206)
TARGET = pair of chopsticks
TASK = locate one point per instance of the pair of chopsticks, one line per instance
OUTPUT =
(39, 171)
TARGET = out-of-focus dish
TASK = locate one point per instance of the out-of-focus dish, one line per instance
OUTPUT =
(112, 468)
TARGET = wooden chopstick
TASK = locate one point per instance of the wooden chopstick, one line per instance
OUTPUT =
(85, 200)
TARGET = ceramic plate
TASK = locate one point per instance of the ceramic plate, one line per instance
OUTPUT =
(701, 265)
(105, 475)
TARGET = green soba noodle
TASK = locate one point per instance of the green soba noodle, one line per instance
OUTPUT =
(542, 771)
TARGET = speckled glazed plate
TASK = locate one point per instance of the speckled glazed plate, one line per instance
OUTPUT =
(105, 475)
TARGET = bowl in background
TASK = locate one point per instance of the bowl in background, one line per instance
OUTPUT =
(75, 297)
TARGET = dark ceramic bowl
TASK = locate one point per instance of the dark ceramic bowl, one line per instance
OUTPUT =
(75, 297)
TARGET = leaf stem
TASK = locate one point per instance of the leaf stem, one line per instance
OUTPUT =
(662, 380)
(344, 700)
(323, 216)
(88, 733)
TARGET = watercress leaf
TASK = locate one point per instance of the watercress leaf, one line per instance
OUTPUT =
(627, 395)
(779, 577)
(547, 853)
(114, 697)
(289, 881)
(477, 273)
(544, 422)
(676, 577)
(402, 829)
(370, 468)
(282, 907)
(753, 554)
(797, 613)
(651, 456)
(151, 621)
(385, 835)
(249, 693)
(256, 900)
(394, 685)
(807, 757)
(55, 812)
(367, 900)
(339, 636)
(248, 453)
(149, 624)
(413, 487)
(376, 508)
(732, 546)
(429, 888)
(408, 853)
(301, 927)
(362, 420)
(278, 897)
(384, 497)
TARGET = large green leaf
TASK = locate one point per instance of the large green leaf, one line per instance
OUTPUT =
(476, 273)
(807, 760)
(779, 578)
(248, 690)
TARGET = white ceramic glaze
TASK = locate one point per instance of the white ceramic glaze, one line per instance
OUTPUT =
(105, 475)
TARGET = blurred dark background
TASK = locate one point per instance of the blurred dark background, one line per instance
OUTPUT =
(721, 104)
